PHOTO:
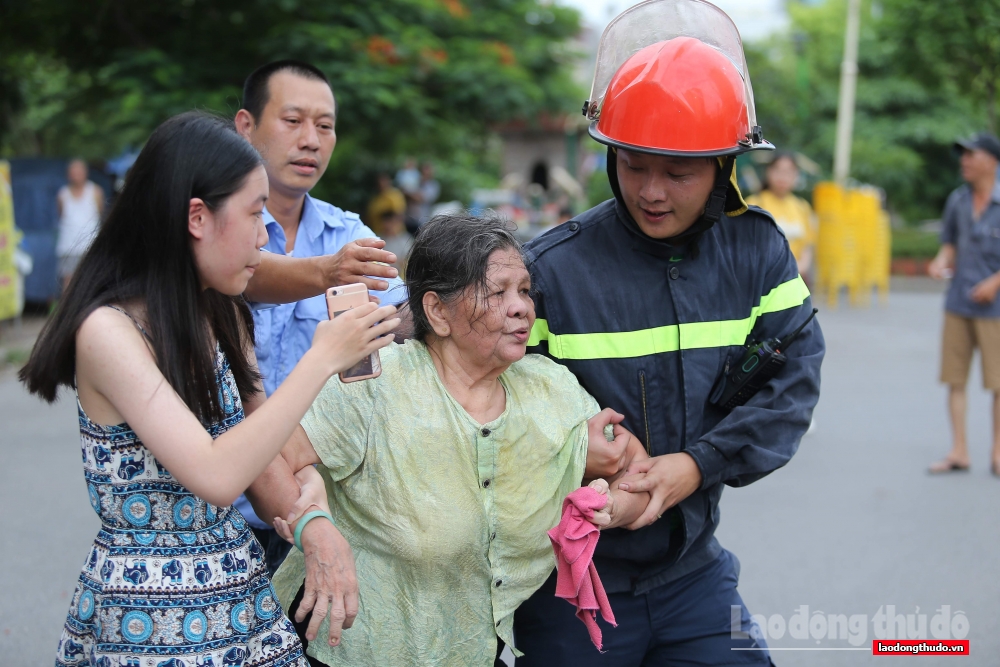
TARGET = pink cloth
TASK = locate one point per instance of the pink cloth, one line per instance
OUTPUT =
(574, 541)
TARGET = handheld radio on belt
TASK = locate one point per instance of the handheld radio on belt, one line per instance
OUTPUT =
(760, 363)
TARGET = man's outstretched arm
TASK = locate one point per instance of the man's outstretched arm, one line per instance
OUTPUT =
(281, 279)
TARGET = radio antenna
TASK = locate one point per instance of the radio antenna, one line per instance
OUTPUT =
(795, 334)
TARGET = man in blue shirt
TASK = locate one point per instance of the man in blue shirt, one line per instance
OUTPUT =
(289, 115)
(970, 255)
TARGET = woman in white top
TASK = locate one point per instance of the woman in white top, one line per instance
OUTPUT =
(81, 204)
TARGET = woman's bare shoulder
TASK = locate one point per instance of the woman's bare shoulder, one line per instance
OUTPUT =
(109, 330)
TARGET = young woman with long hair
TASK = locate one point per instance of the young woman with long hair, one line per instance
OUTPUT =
(156, 340)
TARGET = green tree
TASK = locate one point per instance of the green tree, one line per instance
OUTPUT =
(952, 41)
(905, 121)
(421, 77)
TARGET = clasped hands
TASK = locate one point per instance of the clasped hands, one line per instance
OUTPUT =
(667, 479)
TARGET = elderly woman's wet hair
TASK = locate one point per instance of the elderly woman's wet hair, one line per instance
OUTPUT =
(451, 255)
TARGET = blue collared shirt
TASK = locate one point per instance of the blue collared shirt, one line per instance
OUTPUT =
(977, 250)
(284, 333)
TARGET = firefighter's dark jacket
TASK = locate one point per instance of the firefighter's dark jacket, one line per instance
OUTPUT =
(648, 331)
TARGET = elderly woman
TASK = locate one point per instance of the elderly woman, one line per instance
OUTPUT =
(445, 472)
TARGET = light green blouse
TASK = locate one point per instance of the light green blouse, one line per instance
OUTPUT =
(446, 517)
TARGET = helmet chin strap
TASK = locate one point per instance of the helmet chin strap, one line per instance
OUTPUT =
(716, 205)
(714, 208)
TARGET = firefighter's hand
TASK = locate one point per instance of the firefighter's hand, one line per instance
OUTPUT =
(668, 479)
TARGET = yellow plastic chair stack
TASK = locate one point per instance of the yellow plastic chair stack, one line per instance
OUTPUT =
(836, 255)
(874, 245)
(853, 248)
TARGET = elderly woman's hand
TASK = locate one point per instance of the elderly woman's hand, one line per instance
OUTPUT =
(602, 517)
(331, 585)
(606, 458)
(621, 509)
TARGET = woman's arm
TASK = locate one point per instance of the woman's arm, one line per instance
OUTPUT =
(99, 196)
(331, 586)
(116, 370)
(281, 279)
(280, 491)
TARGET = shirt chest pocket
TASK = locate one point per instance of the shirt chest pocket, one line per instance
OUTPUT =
(988, 237)
(313, 308)
(307, 315)
(262, 333)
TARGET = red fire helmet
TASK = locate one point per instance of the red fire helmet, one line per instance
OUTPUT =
(671, 79)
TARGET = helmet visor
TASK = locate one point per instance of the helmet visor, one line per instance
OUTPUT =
(658, 21)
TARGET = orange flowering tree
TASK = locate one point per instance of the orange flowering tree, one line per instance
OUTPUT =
(426, 78)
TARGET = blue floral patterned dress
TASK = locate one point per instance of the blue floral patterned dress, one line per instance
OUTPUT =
(171, 581)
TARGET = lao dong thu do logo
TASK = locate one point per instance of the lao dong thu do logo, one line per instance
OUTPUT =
(817, 626)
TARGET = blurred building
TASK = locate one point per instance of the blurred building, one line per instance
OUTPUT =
(532, 148)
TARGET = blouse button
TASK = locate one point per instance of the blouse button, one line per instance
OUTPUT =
(486, 484)
(499, 581)
(493, 536)
(485, 432)
(674, 273)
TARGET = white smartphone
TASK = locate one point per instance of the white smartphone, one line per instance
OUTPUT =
(339, 300)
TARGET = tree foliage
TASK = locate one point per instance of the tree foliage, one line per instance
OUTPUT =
(906, 117)
(420, 77)
(960, 42)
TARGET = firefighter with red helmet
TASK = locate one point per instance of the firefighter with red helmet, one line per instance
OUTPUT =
(650, 299)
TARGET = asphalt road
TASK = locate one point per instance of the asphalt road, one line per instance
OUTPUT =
(853, 524)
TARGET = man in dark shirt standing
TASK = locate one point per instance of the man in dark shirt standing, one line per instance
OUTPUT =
(970, 255)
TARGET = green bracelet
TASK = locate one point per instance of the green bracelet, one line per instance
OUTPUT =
(306, 518)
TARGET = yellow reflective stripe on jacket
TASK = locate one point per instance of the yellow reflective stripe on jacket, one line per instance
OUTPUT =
(669, 338)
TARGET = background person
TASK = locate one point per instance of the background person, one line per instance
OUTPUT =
(408, 181)
(81, 205)
(388, 200)
(398, 241)
(289, 115)
(428, 193)
(155, 338)
(970, 252)
(793, 214)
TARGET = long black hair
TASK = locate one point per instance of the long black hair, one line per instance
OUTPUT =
(143, 253)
